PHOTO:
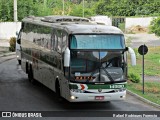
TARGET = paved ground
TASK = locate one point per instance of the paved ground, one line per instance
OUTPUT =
(136, 40)
(17, 94)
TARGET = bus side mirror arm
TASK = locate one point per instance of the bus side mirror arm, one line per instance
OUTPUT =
(67, 57)
(133, 56)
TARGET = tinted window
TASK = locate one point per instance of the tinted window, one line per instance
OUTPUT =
(97, 42)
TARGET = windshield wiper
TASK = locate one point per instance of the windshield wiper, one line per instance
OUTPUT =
(108, 75)
(100, 67)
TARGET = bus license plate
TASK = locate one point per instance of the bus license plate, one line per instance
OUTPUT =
(99, 97)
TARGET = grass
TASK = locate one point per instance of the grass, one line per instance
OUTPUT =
(152, 68)
(151, 62)
(128, 41)
(151, 90)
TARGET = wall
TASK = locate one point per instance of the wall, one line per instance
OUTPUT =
(144, 21)
(8, 29)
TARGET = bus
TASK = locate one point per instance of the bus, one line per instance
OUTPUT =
(78, 60)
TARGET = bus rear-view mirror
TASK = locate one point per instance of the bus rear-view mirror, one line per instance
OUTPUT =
(133, 56)
(67, 58)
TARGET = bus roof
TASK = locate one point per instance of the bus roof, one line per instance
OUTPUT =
(73, 25)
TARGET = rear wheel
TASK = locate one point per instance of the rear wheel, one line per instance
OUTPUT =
(30, 75)
(58, 91)
(19, 62)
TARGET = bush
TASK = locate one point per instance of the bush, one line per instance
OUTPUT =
(12, 43)
(122, 26)
(155, 26)
(135, 78)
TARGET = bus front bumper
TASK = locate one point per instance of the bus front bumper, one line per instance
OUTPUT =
(96, 97)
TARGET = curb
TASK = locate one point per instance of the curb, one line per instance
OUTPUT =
(143, 99)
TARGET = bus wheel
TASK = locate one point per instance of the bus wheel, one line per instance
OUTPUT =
(19, 62)
(58, 92)
(30, 75)
(27, 67)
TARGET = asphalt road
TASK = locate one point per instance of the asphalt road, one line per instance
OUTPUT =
(17, 94)
(137, 40)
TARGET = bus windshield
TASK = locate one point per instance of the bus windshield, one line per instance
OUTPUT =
(96, 66)
(97, 42)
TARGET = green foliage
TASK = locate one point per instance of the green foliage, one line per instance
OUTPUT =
(12, 43)
(75, 7)
(151, 90)
(6, 10)
(135, 78)
(155, 26)
(151, 62)
(122, 26)
(128, 7)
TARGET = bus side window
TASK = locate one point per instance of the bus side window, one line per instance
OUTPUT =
(64, 41)
(54, 41)
(59, 42)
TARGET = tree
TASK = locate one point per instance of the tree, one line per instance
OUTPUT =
(6, 11)
(75, 7)
(155, 26)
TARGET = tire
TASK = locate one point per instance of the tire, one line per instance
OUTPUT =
(58, 92)
(19, 62)
(27, 67)
(30, 76)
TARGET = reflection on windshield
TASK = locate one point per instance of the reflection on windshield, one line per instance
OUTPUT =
(94, 66)
(97, 42)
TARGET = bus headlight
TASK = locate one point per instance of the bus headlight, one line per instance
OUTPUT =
(77, 90)
(72, 97)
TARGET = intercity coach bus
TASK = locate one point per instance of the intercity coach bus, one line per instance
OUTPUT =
(79, 60)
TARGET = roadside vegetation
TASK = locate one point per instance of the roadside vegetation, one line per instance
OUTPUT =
(155, 26)
(74, 7)
(12, 43)
(151, 90)
(152, 68)
(152, 62)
